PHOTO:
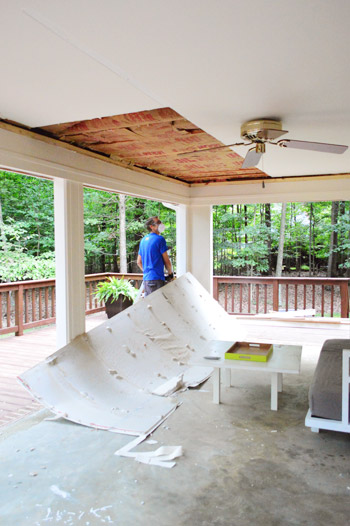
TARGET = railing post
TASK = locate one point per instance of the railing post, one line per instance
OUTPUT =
(216, 289)
(275, 298)
(344, 299)
(19, 311)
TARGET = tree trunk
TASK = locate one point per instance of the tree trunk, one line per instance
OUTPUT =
(310, 239)
(268, 227)
(332, 258)
(2, 231)
(122, 235)
(281, 241)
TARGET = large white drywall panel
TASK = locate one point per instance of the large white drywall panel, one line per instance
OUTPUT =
(108, 377)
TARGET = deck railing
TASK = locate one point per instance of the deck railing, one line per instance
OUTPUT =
(28, 304)
(256, 295)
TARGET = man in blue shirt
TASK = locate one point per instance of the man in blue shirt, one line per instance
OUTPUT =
(153, 255)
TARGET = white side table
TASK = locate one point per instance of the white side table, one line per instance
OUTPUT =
(285, 359)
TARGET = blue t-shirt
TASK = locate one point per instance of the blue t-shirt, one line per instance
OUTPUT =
(151, 249)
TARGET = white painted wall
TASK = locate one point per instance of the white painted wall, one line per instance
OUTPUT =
(70, 271)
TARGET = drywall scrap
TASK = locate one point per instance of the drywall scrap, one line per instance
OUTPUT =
(119, 375)
(163, 456)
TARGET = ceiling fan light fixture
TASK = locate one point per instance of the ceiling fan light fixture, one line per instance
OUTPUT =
(262, 130)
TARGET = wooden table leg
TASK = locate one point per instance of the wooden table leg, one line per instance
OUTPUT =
(274, 391)
(216, 385)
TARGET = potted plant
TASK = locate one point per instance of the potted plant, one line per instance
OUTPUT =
(117, 294)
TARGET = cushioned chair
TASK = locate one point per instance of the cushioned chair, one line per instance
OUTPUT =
(329, 390)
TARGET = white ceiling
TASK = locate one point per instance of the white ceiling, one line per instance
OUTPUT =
(216, 62)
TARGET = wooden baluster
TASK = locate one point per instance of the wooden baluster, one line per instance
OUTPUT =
(287, 287)
(9, 309)
(249, 291)
(344, 299)
(226, 297)
(295, 297)
(40, 304)
(33, 305)
(216, 289)
(265, 298)
(240, 296)
(90, 295)
(46, 302)
(313, 296)
(233, 297)
(19, 311)
(26, 300)
(332, 300)
(0, 310)
(53, 306)
(322, 301)
(257, 298)
(95, 299)
(275, 297)
(304, 297)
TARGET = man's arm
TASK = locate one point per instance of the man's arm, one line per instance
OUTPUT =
(167, 263)
(139, 262)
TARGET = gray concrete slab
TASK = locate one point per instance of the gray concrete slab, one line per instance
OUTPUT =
(243, 464)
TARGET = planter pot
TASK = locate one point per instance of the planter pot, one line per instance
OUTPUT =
(114, 307)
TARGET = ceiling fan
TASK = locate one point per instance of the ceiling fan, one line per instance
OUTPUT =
(264, 131)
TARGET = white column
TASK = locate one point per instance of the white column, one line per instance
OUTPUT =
(70, 271)
(194, 243)
(182, 240)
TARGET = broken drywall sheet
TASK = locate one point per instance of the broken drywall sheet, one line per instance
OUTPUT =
(108, 378)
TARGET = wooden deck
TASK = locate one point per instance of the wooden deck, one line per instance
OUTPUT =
(17, 354)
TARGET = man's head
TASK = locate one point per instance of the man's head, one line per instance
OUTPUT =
(152, 224)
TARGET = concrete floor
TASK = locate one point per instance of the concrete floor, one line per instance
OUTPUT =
(243, 464)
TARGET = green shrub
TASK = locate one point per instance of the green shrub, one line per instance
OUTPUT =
(114, 287)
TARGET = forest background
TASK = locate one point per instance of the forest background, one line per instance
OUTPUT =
(312, 239)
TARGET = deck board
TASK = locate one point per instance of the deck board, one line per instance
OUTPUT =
(20, 353)
(17, 354)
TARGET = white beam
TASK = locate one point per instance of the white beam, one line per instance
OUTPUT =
(70, 272)
(37, 157)
(317, 188)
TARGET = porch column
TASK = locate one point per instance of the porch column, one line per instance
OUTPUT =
(70, 271)
(194, 243)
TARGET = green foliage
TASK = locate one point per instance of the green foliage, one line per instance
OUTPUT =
(16, 265)
(114, 287)
(245, 242)
(102, 229)
(28, 228)
(246, 237)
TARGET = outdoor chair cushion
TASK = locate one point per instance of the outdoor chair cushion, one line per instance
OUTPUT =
(325, 394)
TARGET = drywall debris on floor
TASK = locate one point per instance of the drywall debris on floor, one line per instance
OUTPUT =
(119, 375)
(162, 457)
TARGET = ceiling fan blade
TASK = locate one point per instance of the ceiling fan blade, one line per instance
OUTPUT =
(252, 158)
(315, 146)
(213, 149)
(270, 134)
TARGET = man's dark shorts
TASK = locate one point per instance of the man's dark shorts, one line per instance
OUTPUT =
(152, 285)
